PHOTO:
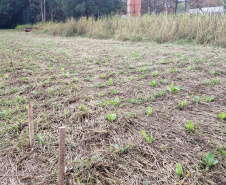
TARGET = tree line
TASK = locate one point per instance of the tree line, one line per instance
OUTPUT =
(13, 12)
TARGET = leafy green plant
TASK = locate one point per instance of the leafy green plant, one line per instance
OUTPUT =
(190, 125)
(132, 100)
(211, 98)
(122, 71)
(155, 73)
(179, 170)
(153, 83)
(196, 99)
(208, 161)
(212, 72)
(222, 116)
(99, 85)
(173, 89)
(131, 77)
(36, 93)
(116, 101)
(143, 69)
(100, 95)
(111, 117)
(96, 61)
(103, 104)
(75, 79)
(110, 81)
(183, 103)
(14, 90)
(163, 81)
(149, 111)
(148, 139)
(113, 91)
(122, 149)
(189, 68)
(173, 70)
(215, 81)
(51, 90)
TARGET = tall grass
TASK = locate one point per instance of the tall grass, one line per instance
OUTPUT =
(200, 29)
(22, 27)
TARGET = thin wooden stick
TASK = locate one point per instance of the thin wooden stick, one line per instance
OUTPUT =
(31, 125)
(61, 156)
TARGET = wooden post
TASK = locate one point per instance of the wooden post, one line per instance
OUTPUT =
(61, 156)
(31, 125)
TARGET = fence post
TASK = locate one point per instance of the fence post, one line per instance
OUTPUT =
(61, 156)
(31, 124)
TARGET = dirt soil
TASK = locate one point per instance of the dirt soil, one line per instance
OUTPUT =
(76, 82)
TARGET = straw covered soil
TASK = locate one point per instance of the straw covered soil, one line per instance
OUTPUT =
(76, 82)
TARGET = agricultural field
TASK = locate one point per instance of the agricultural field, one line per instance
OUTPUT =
(135, 113)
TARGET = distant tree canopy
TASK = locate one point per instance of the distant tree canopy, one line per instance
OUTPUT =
(13, 12)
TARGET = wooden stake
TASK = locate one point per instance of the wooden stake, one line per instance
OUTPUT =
(61, 156)
(31, 125)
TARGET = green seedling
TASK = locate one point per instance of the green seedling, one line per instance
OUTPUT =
(149, 111)
(212, 72)
(211, 98)
(121, 71)
(115, 102)
(46, 81)
(41, 139)
(103, 104)
(131, 77)
(142, 70)
(148, 139)
(189, 68)
(222, 116)
(110, 81)
(75, 79)
(102, 76)
(215, 81)
(122, 149)
(51, 90)
(163, 81)
(66, 112)
(6, 76)
(100, 95)
(190, 125)
(183, 103)
(143, 76)
(96, 62)
(132, 101)
(113, 91)
(222, 150)
(179, 170)
(208, 161)
(89, 79)
(36, 93)
(173, 89)
(173, 70)
(73, 72)
(99, 85)
(153, 83)
(154, 73)
(14, 90)
(196, 99)
(106, 63)
(111, 117)
(206, 82)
